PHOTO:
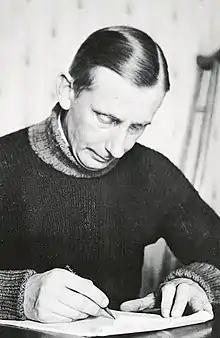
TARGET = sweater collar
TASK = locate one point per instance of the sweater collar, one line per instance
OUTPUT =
(47, 142)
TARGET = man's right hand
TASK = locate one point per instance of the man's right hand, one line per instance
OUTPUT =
(61, 296)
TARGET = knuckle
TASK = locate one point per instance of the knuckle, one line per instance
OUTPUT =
(56, 270)
(168, 291)
(182, 292)
(55, 273)
(168, 286)
(90, 282)
(83, 283)
(54, 277)
(184, 285)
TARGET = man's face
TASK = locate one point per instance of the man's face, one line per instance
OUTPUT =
(103, 123)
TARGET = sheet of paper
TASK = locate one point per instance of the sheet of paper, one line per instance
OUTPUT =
(103, 326)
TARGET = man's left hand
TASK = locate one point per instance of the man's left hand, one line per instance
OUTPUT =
(175, 296)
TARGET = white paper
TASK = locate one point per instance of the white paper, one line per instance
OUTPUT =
(125, 322)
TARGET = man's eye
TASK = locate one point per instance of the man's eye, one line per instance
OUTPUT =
(104, 118)
(136, 128)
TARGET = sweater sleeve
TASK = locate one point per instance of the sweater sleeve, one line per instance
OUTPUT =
(12, 286)
(206, 275)
(12, 282)
(191, 229)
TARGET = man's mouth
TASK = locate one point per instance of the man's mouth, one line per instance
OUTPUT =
(100, 158)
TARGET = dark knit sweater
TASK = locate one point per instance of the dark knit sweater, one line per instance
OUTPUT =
(52, 213)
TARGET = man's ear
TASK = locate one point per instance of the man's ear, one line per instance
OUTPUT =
(65, 92)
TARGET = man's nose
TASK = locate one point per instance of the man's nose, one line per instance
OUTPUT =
(116, 144)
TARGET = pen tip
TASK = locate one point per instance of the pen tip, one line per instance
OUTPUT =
(110, 313)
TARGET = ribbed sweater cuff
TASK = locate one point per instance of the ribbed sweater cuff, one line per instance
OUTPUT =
(12, 286)
(206, 275)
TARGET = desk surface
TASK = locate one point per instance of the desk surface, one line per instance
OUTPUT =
(194, 331)
(205, 330)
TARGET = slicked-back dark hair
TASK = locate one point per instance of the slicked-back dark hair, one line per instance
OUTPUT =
(126, 50)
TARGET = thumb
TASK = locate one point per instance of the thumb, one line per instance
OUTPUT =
(139, 304)
(196, 305)
(199, 305)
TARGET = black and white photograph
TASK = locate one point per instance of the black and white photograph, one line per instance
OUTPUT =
(109, 168)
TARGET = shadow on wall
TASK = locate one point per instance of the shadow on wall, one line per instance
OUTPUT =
(152, 272)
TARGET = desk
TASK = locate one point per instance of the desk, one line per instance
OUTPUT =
(195, 331)
(205, 330)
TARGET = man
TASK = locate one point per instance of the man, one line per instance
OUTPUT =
(77, 189)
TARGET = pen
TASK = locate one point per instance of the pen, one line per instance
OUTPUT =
(106, 309)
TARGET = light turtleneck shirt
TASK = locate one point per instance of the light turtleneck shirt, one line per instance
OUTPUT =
(61, 130)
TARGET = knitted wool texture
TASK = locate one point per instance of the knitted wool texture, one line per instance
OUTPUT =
(53, 213)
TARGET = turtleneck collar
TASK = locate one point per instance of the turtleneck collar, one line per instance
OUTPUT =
(47, 142)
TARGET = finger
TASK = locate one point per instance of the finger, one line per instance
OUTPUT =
(79, 302)
(181, 300)
(87, 288)
(139, 304)
(67, 312)
(59, 319)
(49, 317)
(168, 292)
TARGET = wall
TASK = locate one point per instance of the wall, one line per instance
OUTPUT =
(39, 37)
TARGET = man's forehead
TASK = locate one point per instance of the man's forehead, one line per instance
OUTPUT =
(114, 95)
(112, 86)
